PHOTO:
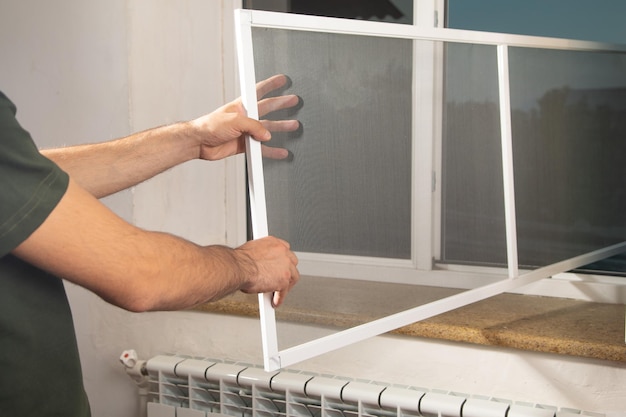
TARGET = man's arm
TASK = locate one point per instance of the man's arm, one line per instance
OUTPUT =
(105, 168)
(84, 242)
(108, 167)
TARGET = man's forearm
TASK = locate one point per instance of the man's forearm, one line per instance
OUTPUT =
(168, 273)
(109, 167)
(127, 266)
(140, 270)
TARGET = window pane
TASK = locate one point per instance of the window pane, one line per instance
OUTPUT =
(573, 19)
(396, 11)
(361, 169)
(347, 188)
(569, 141)
(473, 228)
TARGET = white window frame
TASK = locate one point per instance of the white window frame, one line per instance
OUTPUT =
(419, 267)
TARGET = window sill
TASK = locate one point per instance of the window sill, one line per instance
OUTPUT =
(532, 323)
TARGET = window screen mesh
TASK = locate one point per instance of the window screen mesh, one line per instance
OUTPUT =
(569, 139)
(347, 187)
(569, 142)
(473, 228)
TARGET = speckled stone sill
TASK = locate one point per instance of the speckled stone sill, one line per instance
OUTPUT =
(540, 324)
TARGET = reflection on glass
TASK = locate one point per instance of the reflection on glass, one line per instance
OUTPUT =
(396, 11)
(569, 141)
(473, 228)
(347, 188)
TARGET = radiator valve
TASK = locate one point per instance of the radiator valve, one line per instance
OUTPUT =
(135, 368)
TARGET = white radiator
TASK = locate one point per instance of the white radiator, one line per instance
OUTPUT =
(188, 387)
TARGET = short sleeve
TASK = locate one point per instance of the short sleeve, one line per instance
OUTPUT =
(31, 185)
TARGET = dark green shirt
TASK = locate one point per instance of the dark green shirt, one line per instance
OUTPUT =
(40, 372)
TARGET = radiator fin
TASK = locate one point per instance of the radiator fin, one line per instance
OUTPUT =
(191, 387)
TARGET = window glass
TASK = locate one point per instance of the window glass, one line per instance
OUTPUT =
(572, 19)
(396, 11)
(473, 228)
(569, 140)
(354, 195)
(590, 109)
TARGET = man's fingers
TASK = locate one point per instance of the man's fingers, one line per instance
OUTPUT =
(281, 125)
(268, 105)
(274, 153)
(277, 298)
(270, 84)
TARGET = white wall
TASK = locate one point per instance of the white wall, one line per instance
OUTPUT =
(65, 67)
(176, 73)
(88, 71)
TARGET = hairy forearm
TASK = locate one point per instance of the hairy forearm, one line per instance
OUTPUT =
(108, 167)
(132, 268)
(141, 270)
(169, 273)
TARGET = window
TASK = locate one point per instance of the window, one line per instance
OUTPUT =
(580, 19)
(395, 11)
(571, 19)
(590, 110)
(359, 198)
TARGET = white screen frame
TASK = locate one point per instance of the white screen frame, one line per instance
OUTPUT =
(273, 357)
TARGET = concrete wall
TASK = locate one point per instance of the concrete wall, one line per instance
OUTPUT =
(90, 71)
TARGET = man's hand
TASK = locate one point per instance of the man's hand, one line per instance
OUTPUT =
(222, 132)
(270, 266)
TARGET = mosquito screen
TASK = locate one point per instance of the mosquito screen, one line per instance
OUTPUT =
(473, 229)
(569, 140)
(376, 179)
(347, 187)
